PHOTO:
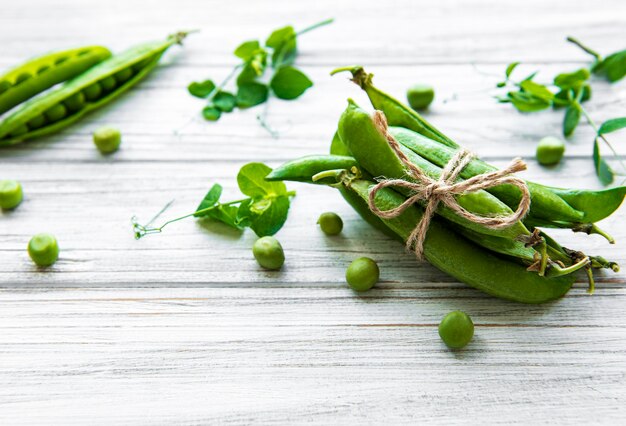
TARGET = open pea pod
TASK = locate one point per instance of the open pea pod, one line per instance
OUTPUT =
(57, 109)
(41, 73)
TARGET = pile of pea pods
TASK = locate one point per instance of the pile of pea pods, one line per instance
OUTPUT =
(520, 262)
(49, 93)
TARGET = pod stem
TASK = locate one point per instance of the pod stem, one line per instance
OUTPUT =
(557, 271)
(592, 228)
(588, 50)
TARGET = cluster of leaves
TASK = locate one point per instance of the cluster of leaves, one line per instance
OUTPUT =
(264, 210)
(253, 87)
(570, 91)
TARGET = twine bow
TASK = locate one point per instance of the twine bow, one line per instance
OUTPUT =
(444, 190)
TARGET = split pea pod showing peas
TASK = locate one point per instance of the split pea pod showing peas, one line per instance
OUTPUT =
(39, 74)
(98, 86)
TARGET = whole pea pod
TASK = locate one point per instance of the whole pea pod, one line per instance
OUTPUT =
(41, 73)
(60, 107)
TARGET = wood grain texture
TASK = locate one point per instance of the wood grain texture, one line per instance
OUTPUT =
(185, 328)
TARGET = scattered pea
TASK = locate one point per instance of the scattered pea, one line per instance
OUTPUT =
(268, 253)
(107, 139)
(456, 329)
(123, 75)
(92, 92)
(10, 194)
(108, 83)
(75, 102)
(43, 249)
(420, 96)
(56, 113)
(330, 223)
(550, 150)
(36, 122)
(362, 274)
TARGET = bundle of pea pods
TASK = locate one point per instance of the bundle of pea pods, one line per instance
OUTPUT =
(520, 262)
(92, 77)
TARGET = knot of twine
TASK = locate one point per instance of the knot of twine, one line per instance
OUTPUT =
(443, 190)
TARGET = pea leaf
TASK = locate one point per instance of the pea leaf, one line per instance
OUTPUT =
(526, 102)
(211, 113)
(246, 50)
(226, 214)
(265, 221)
(603, 170)
(289, 83)
(251, 181)
(612, 125)
(210, 199)
(613, 66)
(225, 101)
(251, 94)
(573, 79)
(537, 90)
(201, 89)
(247, 75)
(510, 68)
(283, 42)
(571, 119)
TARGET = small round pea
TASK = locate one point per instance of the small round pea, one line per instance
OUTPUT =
(330, 223)
(107, 83)
(456, 329)
(56, 113)
(123, 75)
(420, 96)
(362, 274)
(10, 194)
(269, 253)
(92, 92)
(107, 139)
(550, 150)
(43, 249)
(75, 102)
(36, 122)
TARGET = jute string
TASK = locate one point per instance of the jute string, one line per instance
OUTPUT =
(444, 190)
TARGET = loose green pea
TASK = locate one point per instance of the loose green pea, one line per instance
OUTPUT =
(108, 83)
(56, 113)
(75, 102)
(10, 194)
(43, 249)
(362, 274)
(268, 253)
(550, 150)
(420, 96)
(22, 130)
(123, 75)
(330, 223)
(92, 92)
(456, 329)
(107, 139)
(36, 122)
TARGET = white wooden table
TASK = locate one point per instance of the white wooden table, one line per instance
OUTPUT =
(184, 327)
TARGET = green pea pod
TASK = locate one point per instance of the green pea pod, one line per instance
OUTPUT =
(595, 205)
(361, 207)
(370, 149)
(396, 112)
(464, 260)
(41, 73)
(544, 203)
(98, 86)
(304, 168)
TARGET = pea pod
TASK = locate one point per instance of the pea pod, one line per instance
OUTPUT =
(41, 73)
(98, 86)
(370, 149)
(595, 205)
(304, 168)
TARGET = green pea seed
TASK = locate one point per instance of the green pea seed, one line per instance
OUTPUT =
(550, 150)
(420, 96)
(456, 329)
(362, 274)
(107, 139)
(75, 102)
(4, 86)
(92, 92)
(43, 249)
(108, 83)
(56, 113)
(10, 194)
(22, 78)
(22, 130)
(36, 122)
(268, 253)
(123, 75)
(330, 223)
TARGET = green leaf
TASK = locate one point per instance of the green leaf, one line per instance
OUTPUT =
(572, 80)
(201, 89)
(247, 75)
(251, 181)
(246, 50)
(211, 113)
(210, 199)
(537, 90)
(251, 94)
(289, 83)
(603, 170)
(571, 119)
(510, 68)
(612, 125)
(526, 102)
(226, 214)
(266, 221)
(225, 101)
(613, 66)
(283, 41)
